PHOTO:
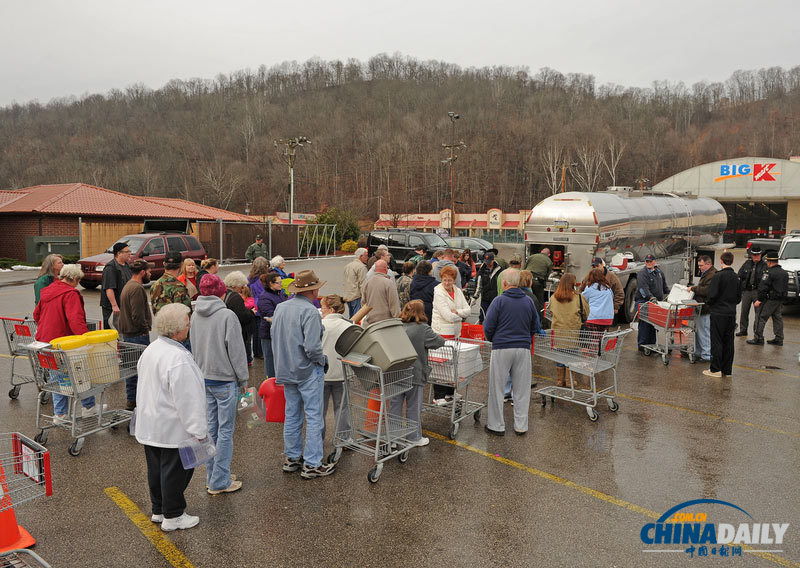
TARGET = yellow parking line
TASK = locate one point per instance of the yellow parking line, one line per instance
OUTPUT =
(4, 355)
(780, 561)
(697, 412)
(149, 529)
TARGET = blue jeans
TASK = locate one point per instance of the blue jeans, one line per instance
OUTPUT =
(61, 402)
(130, 384)
(304, 397)
(269, 360)
(354, 306)
(702, 343)
(221, 411)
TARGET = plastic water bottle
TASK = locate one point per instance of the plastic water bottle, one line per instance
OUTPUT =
(194, 452)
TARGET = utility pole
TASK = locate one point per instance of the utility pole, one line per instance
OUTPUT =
(564, 173)
(452, 147)
(289, 155)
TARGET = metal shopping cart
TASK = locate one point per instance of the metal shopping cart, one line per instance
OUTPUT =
(79, 375)
(24, 475)
(373, 431)
(675, 328)
(455, 365)
(585, 353)
(20, 332)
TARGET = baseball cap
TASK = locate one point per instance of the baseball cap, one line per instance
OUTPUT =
(140, 264)
(650, 257)
(597, 261)
(771, 255)
(488, 257)
(173, 259)
(259, 238)
(515, 259)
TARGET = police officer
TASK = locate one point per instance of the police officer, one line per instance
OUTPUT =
(771, 293)
(256, 249)
(651, 285)
(750, 275)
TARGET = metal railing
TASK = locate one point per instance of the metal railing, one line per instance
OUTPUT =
(317, 240)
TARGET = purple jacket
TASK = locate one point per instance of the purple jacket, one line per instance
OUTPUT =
(266, 308)
(256, 289)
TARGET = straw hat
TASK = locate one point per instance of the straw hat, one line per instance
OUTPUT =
(306, 281)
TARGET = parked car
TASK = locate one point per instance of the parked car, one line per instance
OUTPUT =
(475, 245)
(150, 246)
(765, 245)
(401, 244)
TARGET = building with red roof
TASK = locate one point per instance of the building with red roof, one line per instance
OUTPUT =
(93, 217)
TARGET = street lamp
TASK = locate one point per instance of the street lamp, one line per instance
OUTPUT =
(564, 172)
(453, 146)
(288, 155)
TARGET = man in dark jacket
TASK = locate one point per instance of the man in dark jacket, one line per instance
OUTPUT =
(510, 325)
(750, 275)
(651, 285)
(135, 319)
(724, 293)
(115, 275)
(703, 321)
(422, 285)
(487, 282)
(772, 292)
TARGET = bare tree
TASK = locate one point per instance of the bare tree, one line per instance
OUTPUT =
(587, 172)
(615, 150)
(552, 158)
(222, 182)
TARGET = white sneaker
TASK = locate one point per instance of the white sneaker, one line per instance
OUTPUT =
(439, 401)
(60, 419)
(92, 411)
(183, 522)
(157, 518)
(423, 442)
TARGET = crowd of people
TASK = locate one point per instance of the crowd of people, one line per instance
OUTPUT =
(190, 377)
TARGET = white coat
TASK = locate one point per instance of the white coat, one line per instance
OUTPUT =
(445, 322)
(333, 326)
(170, 396)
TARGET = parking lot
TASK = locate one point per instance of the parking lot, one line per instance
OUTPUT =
(570, 493)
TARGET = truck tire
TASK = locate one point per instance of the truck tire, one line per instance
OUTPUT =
(628, 308)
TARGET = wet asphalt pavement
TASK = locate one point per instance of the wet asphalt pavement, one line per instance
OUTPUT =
(570, 493)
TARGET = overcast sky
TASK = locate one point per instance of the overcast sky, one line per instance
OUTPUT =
(55, 48)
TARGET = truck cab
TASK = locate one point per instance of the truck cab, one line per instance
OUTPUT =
(789, 259)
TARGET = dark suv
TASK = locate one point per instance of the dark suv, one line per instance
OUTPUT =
(150, 246)
(402, 243)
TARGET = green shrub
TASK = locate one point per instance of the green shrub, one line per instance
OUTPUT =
(349, 246)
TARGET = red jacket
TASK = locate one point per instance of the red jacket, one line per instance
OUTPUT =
(59, 312)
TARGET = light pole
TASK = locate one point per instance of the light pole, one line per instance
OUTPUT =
(288, 155)
(564, 171)
(453, 146)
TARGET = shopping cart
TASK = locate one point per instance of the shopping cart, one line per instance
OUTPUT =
(24, 475)
(80, 375)
(585, 353)
(675, 328)
(22, 559)
(373, 431)
(455, 365)
(20, 332)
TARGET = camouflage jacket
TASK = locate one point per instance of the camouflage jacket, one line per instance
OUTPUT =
(169, 290)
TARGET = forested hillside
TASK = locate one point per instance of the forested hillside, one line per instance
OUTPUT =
(377, 129)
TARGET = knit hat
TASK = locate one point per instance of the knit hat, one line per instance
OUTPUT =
(212, 285)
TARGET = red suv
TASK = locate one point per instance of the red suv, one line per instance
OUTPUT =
(150, 246)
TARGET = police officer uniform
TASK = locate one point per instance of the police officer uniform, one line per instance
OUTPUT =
(772, 292)
(750, 276)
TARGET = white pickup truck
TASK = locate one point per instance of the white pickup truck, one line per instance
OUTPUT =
(789, 255)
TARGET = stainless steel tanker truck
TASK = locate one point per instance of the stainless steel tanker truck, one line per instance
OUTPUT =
(622, 227)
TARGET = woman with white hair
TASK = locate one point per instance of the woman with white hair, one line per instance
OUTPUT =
(236, 283)
(170, 410)
(51, 267)
(60, 312)
(220, 354)
(278, 264)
